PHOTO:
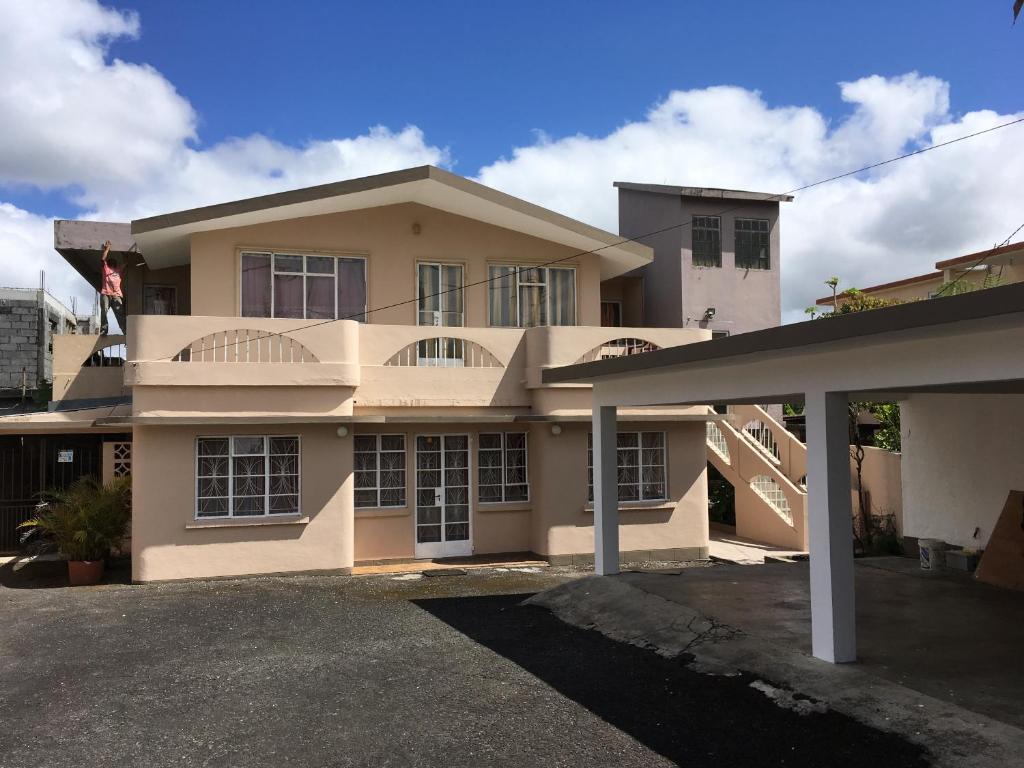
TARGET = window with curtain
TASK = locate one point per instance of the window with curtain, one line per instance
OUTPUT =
(502, 467)
(524, 297)
(706, 241)
(303, 286)
(752, 244)
(640, 457)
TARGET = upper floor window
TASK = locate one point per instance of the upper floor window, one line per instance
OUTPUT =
(707, 241)
(303, 286)
(523, 297)
(752, 250)
(439, 295)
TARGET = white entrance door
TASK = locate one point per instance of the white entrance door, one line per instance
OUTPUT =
(442, 496)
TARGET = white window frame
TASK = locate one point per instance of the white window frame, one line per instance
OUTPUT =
(518, 269)
(376, 488)
(640, 464)
(274, 272)
(462, 287)
(504, 467)
(443, 344)
(230, 514)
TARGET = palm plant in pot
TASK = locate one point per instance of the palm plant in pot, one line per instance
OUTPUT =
(84, 522)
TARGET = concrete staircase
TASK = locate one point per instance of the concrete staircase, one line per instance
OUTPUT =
(767, 466)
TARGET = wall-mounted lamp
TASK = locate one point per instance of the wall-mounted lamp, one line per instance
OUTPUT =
(556, 429)
(416, 228)
(343, 431)
(709, 314)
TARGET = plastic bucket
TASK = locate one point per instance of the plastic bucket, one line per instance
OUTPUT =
(933, 554)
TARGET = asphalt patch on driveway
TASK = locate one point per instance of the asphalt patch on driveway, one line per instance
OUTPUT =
(690, 718)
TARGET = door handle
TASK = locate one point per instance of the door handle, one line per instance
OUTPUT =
(438, 496)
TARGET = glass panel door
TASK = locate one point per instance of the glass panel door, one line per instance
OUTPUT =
(440, 303)
(442, 496)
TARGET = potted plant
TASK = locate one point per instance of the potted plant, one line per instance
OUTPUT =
(84, 522)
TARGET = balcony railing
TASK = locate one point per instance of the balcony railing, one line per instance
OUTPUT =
(384, 365)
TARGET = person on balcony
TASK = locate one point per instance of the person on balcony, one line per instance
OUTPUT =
(111, 296)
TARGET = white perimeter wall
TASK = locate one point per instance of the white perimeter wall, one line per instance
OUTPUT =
(961, 455)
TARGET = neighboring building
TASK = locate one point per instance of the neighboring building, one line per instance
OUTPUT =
(985, 269)
(717, 256)
(353, 372)
(29, 319)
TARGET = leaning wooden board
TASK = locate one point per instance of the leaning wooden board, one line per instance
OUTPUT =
(1002, 563)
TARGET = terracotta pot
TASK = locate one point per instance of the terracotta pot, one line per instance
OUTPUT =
(82, 573)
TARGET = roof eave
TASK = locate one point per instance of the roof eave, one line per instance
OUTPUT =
(426, 185)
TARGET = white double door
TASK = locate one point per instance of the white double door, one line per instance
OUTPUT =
(443, 517)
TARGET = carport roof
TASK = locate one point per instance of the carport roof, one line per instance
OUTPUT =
(929, 313)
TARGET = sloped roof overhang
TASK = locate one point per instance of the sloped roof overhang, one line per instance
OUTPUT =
(164, 239)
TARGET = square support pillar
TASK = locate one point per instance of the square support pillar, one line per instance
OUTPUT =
(830, 527)
(606, 491)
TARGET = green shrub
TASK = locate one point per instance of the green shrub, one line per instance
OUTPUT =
(86, 520)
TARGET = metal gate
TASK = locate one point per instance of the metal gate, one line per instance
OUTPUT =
(30, 464)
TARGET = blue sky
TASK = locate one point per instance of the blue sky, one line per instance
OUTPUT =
(130, 108)
(480, 78)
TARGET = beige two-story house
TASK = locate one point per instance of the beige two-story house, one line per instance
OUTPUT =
(351, 373)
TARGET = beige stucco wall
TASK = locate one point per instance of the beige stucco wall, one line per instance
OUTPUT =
(168, 543)
(562, 523)
(389, 533)
(555, 521)
(961, 455)
(385, 235)
(882, 479)
(629, 293)
(73, 382)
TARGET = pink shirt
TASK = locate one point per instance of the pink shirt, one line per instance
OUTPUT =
(112, 277)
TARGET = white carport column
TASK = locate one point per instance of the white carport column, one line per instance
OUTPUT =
(833, 626)
(606, 491)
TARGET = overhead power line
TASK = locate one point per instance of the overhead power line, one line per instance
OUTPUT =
(638, 238)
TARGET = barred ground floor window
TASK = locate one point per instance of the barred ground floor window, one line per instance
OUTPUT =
(502, 467)
(247, 476)
(641, 466)
(380, 471)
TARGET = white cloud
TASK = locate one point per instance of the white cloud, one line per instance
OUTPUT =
(257, 165)
(71, 116)
(26, 247)
(120, 141)
(892, 223)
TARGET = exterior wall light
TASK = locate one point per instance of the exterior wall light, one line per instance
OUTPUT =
(342, 431)
(556, 429)
(709, 314)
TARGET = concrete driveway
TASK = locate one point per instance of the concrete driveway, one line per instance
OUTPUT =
(374, 671)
